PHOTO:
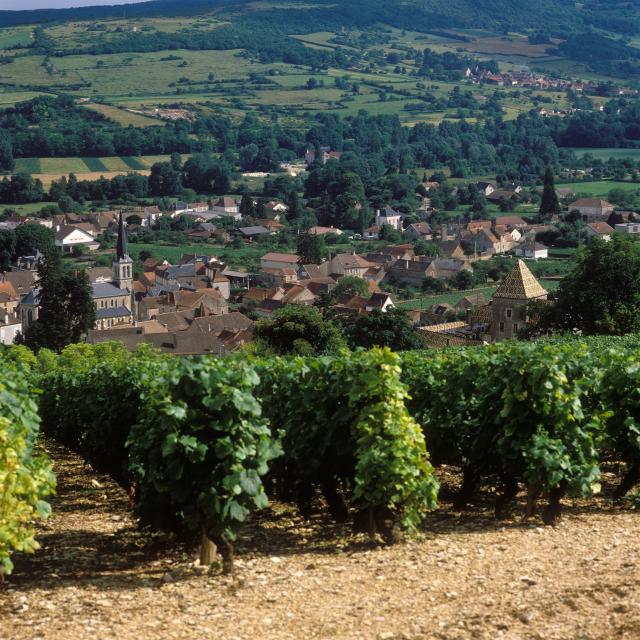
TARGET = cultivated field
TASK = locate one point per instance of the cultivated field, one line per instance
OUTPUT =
(599, 187)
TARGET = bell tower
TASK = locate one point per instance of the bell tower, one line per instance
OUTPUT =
(122, 263)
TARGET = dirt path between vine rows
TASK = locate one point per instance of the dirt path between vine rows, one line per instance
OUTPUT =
(465, 577)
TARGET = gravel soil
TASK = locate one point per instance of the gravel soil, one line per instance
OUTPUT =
(464, 576)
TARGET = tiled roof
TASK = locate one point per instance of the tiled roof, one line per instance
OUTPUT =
(106, 290)
(520, 284)
(281, 257)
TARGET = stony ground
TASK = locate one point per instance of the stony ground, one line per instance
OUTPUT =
(466, 576)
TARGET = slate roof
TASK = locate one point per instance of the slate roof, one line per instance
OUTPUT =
(520, 284)
(112, 312)
(106, 290)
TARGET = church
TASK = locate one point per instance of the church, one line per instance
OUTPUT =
(114, 300)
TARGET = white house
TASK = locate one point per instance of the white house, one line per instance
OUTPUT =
(631, 228)
(389, 216)
(10, 327)
(536, 251)
(68, 237)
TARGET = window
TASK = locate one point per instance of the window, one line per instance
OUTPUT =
(502, 327)
(515, 327)
(509, 313)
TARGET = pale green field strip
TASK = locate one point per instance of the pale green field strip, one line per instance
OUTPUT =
(598, 188)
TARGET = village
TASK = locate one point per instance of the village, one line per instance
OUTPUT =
(201, 305)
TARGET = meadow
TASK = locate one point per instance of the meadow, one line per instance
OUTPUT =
(598, 187)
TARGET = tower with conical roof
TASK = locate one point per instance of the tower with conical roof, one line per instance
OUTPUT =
(122, 263)
(509, 302)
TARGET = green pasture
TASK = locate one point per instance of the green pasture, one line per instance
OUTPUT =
(598, 187)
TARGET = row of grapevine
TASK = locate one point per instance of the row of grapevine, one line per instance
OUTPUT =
(26, 478)
(202, 441)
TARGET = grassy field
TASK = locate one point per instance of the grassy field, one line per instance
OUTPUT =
(599, 187)
(453, 297)
(85, 168)
(12, 36)
(122, 116)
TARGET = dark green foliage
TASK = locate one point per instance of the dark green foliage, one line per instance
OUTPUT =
(549, 205)
(358, 445)
(601, 295)
(67, 311)
(297, 330)
(392, 329)
(311, 248)
(201, 448)
(352, 286)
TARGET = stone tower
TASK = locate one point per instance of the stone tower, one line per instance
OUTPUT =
(509, 302)
(122, 263)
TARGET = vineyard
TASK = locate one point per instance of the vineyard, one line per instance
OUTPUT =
(201, 443)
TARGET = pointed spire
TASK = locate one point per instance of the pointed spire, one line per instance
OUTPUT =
(520, 284)
(122, 251)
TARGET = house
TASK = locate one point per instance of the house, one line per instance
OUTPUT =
(237, 279)
(592, 208)
(599, 229)
(535, 251)
(68, 237)
(10, 327)
(225, 207)
(254, 231)
(390, 217)
(470, 302)
(274, 277)
(631, 228)
(510, 222)
(357, 305)
(274, 260)
(444, 269)
(411, 272)
(349, 264)
(419, 231)
(321, 231)
(372, 232)
(451, 249)
(219, 281)
(486, 187)
(273, 210)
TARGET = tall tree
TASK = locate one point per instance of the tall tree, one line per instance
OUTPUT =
(6, 152)
(66, 310)
(247, 208)
(311, 248)
(549, 205)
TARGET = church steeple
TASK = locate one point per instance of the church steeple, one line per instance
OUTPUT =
(122, 251)
(122, 263)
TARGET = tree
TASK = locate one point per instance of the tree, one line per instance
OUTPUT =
(601, 295)
(67, 310)
(30, 237)
(463, 279)
(6, 151)
(391, 329)
(549, 204)
(7, 248)
(351, 285)
(165, 179)
(390, 234)
(247, 208)
(311, 248)
(297, 330)
(78, 250)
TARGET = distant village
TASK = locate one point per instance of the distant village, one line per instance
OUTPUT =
(201, 305)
